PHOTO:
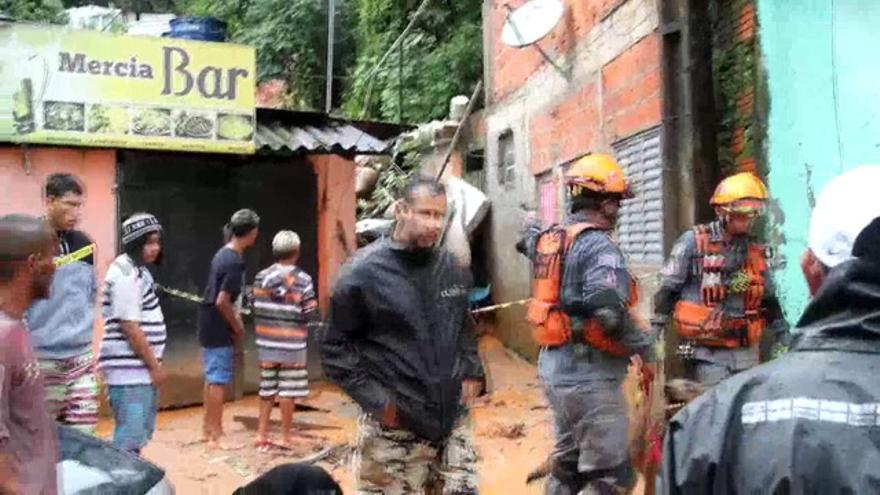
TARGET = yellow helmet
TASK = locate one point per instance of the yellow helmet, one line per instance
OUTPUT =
(600, 173)
(740, 193)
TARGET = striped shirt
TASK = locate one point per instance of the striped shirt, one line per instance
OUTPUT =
(284, 306)
(129, 295)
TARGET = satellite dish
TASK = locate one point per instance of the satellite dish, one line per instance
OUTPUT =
(531, 22)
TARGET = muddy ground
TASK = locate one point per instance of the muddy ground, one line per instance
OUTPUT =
(512, 428)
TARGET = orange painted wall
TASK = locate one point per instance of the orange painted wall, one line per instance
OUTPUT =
(336, 218)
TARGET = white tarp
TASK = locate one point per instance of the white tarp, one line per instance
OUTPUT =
(468, 207)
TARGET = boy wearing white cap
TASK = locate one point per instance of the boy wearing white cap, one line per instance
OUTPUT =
(284, 307)
(807, 421)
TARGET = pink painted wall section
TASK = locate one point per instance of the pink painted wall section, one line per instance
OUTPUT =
(22, 192)
(548, 197)
(336, 219)
(23, 175)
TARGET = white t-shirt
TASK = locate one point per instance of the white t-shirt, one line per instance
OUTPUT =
(129, 295)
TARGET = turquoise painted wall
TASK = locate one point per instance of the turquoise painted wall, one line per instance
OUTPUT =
(823, 76)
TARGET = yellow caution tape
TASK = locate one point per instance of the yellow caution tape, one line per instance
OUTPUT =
(194, 298)
(75, 256)
(188, 296)
(500, 306)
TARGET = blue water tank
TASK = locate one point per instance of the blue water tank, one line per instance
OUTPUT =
(198, 28)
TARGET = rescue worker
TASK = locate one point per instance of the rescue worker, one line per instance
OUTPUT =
(805, 422)
(717, 287)
(400, 343)
(579, 310)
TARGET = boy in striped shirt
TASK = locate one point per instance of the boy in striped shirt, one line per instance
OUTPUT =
(134, 334)
(284, 306)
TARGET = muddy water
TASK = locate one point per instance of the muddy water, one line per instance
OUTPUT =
(512, 430)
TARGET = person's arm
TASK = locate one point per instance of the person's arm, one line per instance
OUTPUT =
(473, 366)
(226, 308)
(341, 348)
(9, 464)
(602, 293)
(674, 275)
(309, 302)
(230, 287)
(126, 308)
(141, 347)
(473, 380)
(776, 322)
(529, 235)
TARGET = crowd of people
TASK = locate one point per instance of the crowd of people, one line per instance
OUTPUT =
(400, 343)
(48, 294)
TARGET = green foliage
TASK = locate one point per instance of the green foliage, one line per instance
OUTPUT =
(290, 37)
(34, 10)
(388, 190)
(735, 74)
(442, 57)
(442, 54)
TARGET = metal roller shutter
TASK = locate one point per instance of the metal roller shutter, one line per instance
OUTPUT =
(640, 225)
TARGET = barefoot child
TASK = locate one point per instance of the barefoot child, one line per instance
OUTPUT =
(284, 305)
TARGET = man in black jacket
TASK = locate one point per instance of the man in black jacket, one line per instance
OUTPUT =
(806, 422)
(401, 344)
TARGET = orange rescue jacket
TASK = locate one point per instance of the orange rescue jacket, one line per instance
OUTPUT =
(705, 321)
(550, 325)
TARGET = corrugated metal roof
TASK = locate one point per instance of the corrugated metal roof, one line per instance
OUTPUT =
(331, 137)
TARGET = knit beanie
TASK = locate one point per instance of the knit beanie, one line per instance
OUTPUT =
(137, 226)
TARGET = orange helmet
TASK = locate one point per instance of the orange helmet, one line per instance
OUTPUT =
(600, 173)
(740, 193)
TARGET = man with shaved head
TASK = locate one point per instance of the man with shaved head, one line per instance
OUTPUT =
(28, 444)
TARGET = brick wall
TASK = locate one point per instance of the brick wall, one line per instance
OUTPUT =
(734, 60)
(564, 131)
(511, 67)
(624, 100)
(631, 89)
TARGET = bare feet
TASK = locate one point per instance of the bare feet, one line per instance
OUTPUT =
(218, 444)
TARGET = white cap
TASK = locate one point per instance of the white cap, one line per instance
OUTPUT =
(285, 242)
(847, 204)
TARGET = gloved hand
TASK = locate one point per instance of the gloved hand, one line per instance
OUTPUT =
(610, 319)
(577, 335)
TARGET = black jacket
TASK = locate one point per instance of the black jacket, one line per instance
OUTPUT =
(400, 332)
(806, 422)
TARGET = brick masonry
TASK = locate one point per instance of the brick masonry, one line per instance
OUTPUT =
(631, 86)
(513, 66)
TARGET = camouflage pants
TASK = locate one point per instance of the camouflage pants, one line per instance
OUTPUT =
(395, 462)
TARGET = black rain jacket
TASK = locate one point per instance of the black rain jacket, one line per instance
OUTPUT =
(807, 422)
(400, 332)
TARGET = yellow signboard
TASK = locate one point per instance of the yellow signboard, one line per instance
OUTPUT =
(87, 88)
